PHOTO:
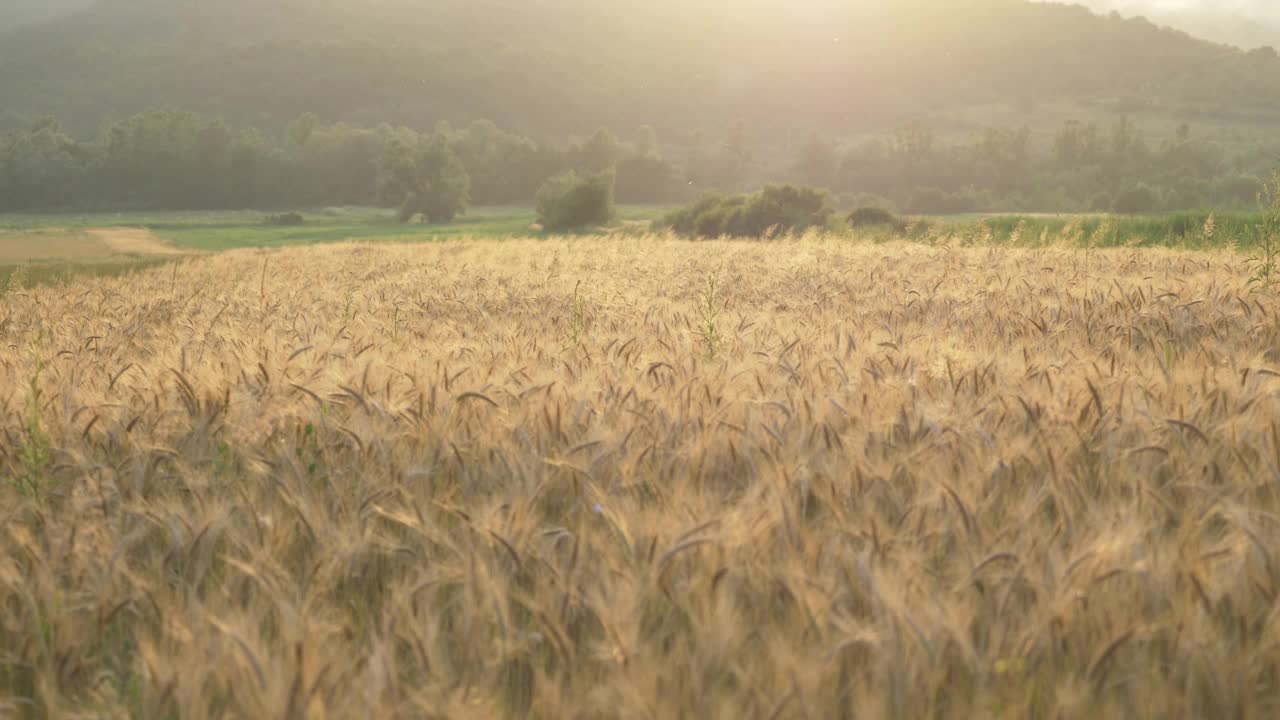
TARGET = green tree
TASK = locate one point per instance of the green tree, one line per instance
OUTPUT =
(570, 201)
(645, 179)
(1138, 199)
(300, 130)
(40, 169)
(424, 177)
(504, 168)
(599, 153)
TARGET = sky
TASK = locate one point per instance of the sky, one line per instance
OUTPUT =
(1242, 8)
(1239, 10)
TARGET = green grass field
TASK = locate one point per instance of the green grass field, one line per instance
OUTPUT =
(225, 230)
(1190, 230)
(54, 247)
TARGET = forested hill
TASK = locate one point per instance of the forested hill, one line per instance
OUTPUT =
(554, 67)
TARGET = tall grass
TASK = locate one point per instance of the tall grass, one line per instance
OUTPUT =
(54, 273)
(917, 481)
(1179, 230)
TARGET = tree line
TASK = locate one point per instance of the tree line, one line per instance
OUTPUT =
(1081, 167)
(171, 159)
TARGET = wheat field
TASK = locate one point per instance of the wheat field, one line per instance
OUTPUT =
(643, 478)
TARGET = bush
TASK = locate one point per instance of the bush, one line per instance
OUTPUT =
(873, 217)
(1136, 200)
(775, 210)
(571, 201)
(645, 179)
(289, 219)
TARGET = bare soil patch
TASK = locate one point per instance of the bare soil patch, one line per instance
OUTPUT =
(20, 246)
(134, 241)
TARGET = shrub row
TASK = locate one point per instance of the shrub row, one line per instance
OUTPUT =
(775, 210)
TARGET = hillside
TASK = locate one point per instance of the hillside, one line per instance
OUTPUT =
(836, 66)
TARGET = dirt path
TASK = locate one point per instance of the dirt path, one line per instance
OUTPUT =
(134, 241)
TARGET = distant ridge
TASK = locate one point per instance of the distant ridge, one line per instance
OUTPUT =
(568, 66)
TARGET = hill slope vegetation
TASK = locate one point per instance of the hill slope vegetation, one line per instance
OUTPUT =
(561, 66)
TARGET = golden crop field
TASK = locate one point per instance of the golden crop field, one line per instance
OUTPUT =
(643, 478)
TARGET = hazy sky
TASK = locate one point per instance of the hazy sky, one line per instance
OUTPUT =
(1241, 22)
(1241, 9)
(1253, 7)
